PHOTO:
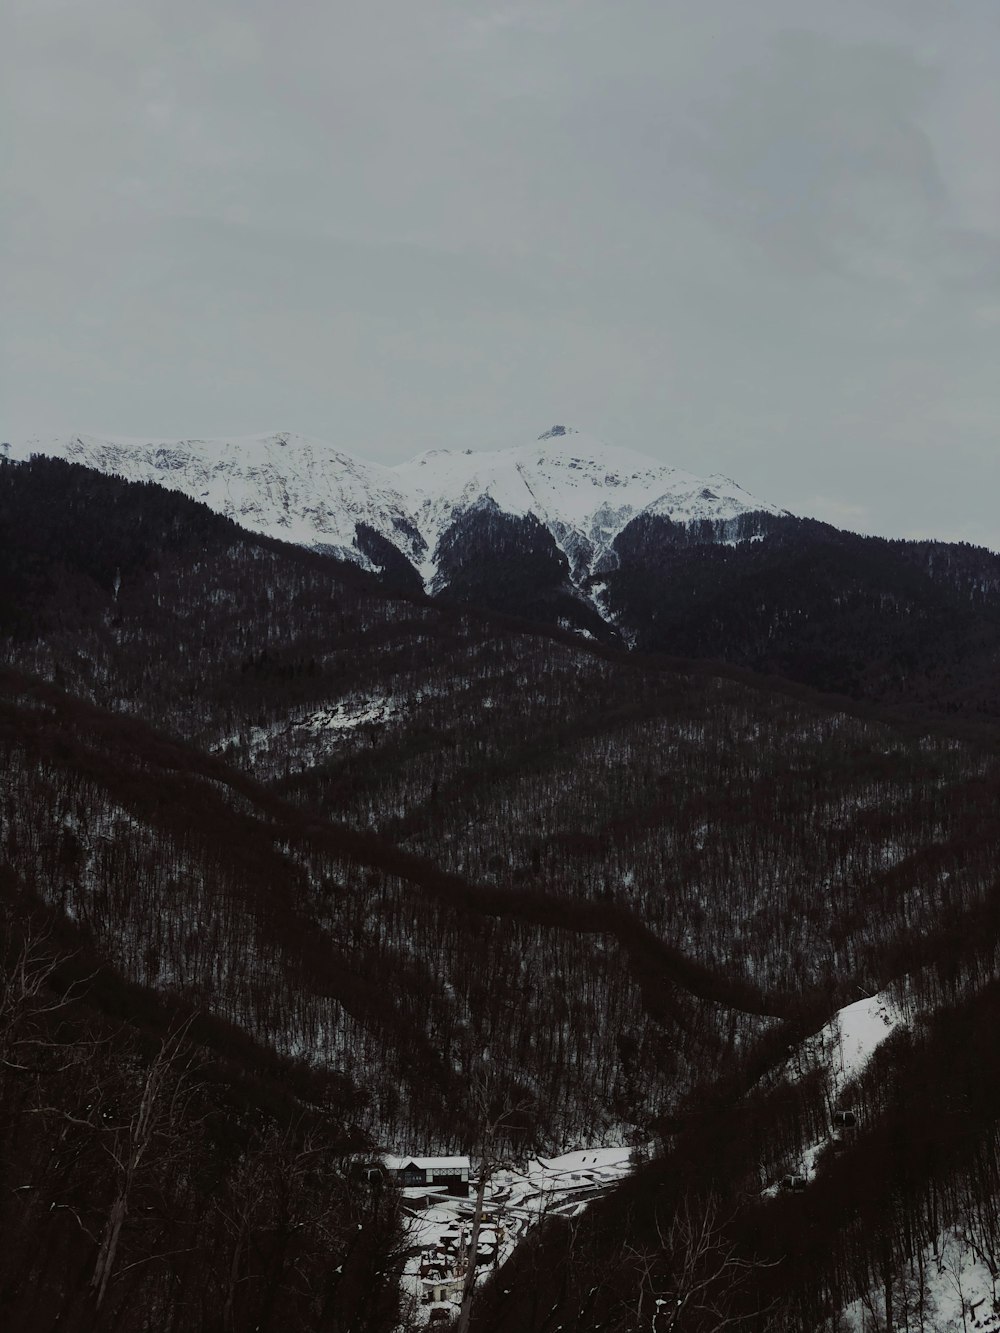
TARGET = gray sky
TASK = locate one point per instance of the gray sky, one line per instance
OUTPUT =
(759, 238)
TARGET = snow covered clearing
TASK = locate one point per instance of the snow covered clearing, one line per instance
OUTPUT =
(848, 1041)
(843, 1048)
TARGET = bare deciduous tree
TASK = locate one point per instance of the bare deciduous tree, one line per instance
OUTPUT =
(26, 998)
(689, 1279)
(493, 1122)
(154, 1124)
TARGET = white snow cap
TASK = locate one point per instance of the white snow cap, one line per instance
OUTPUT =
(307, 491)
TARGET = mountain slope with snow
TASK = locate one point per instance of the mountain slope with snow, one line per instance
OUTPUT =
(284, 485)
(302, 490)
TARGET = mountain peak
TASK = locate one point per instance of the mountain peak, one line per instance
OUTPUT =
(583, 490)
(555, 431)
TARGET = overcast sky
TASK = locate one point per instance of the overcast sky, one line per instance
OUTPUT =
(758, 237)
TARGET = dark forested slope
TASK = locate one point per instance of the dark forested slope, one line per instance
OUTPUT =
(400, 844)
(913, 625)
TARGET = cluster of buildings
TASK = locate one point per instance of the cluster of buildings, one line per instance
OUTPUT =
(424, 1182)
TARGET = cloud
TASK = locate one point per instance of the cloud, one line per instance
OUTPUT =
(757, 239)
(843, 514)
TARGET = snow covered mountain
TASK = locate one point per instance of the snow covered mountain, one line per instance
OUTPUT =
(288, 486)
(581, 490)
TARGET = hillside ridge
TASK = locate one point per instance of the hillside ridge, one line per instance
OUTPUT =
(583, 491)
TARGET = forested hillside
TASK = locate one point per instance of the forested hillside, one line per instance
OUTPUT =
(319, 856)
(906, 624)
(160, 1169)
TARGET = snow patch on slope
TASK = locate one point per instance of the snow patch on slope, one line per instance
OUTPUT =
(847, 1043)
(842, 1048)
(347, 715)
(958, 1294)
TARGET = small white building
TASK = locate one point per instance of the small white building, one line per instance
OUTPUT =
(437, 1292)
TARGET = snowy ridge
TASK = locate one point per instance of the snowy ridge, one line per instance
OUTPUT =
(284, 485)
(303, 490)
